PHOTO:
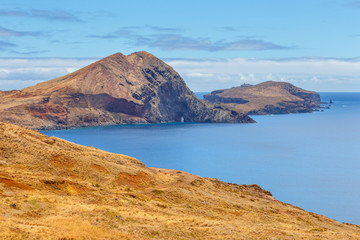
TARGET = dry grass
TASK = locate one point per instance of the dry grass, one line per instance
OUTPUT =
(66, 191)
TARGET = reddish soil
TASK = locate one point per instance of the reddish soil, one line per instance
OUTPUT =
(139, 180)
(12, 183)
(98, 168)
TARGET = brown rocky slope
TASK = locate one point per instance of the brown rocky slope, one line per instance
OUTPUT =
(138, 88)
(266, 98)
(54, 189)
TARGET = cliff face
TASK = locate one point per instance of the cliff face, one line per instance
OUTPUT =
(47, 183)
(266, 98)
(138, 88)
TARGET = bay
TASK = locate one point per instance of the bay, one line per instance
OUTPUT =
(310, 160)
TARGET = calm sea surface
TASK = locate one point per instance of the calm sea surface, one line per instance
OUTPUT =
(310, 160)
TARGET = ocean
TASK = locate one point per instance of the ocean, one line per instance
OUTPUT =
(310, 160)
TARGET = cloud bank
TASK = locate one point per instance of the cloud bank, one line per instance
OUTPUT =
(18, 73)
(319, 74)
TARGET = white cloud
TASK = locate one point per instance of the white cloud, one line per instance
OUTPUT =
(17, 73)
(319, 74)
(199, 75)
(17, 84)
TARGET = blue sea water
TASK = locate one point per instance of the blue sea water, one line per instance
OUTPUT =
(310, 160)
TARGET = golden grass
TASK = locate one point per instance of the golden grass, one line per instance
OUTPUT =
(77, 192)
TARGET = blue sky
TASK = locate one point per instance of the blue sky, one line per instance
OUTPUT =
(254, 40)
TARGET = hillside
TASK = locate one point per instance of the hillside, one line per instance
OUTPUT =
(54, 189)
(138, 88)
(266, 98)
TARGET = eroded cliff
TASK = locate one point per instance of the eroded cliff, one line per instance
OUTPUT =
(138, 88)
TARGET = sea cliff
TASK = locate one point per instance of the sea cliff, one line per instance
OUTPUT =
(119, 89)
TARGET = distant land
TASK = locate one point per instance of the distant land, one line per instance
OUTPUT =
(140, 88)
(266, 98)
(51, 188)
(119, 89)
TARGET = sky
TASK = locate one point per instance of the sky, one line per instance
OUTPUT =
(213, 44)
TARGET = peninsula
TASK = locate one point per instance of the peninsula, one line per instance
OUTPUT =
(119, 89)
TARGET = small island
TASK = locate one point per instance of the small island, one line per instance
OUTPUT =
(266, 98)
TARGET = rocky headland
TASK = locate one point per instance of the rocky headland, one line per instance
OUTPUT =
(54, 189)
(119, 89)
(266, 98)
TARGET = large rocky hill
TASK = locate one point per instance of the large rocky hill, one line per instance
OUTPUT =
(54, 189)
(266, 98)
(138, 88)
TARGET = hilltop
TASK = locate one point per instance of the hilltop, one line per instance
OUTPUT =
(266, 98)
(54, 189)
(138, 88)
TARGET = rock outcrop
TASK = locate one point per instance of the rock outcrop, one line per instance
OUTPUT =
(266, 98)
(138, 88)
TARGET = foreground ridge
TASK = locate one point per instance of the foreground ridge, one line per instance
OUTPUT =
(54, 189)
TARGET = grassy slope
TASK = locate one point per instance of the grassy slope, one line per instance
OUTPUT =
(67, 191)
